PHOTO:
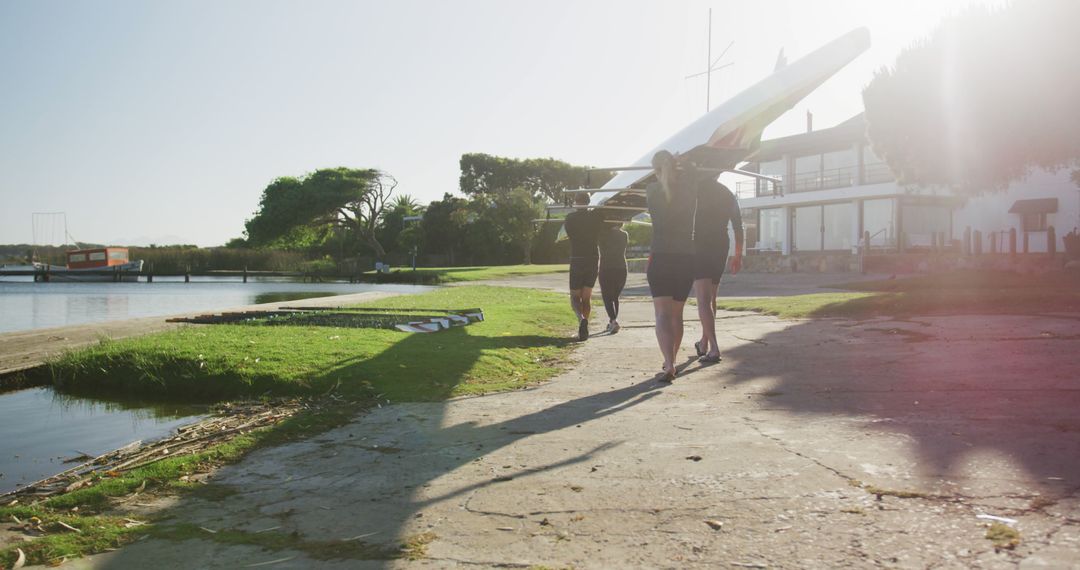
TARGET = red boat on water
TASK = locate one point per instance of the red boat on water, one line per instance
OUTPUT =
(96, 264)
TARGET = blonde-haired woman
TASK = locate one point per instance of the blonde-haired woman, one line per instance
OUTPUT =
(671, 200)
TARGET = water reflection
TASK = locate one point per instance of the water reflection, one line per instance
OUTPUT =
(28, 305)
(41, 428)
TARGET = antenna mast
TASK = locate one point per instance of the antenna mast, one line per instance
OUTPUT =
(711, 66)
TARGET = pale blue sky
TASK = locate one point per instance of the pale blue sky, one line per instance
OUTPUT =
(163, 121)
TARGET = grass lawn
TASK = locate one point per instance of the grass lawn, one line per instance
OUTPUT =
(524, 334)
(436, 275)
(522, 341)
(958, 292)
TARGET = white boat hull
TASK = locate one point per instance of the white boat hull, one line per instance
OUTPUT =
(127, 272)
(731, 133)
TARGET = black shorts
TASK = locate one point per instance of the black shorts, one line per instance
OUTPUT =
(583, 272)
(671, 275)
(710, 265)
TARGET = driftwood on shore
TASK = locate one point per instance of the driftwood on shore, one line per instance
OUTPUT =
(227, 421)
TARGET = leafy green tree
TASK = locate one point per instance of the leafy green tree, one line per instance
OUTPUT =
(443, 226)
(511, 215)
(393, 220)
(988, 95)
(543, 178)
(352, 200)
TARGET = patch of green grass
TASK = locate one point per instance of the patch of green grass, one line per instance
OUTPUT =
(1003, 536)
(961, 292)
(437, 275)
(100, 532)
(415, 547)
(95, 534)
(524, 336)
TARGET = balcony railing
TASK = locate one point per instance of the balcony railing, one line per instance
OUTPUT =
(847, 176)
(877, 173)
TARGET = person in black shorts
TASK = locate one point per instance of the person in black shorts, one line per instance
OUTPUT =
(583, 228)
(612, 243)
(716, 208)
(671, 200)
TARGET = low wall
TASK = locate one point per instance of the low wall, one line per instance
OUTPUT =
(901, 263)
(801, 263)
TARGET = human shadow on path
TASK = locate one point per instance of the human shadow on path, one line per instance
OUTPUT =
(374, 477)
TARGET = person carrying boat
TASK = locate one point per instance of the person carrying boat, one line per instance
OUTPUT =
(717, 207)
(671, 201)
(583, 228)
(612, 243)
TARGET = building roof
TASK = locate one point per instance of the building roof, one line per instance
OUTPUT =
(844, 135)
(1035, 206)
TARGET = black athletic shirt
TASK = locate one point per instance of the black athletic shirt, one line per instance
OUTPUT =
(672, 216)
(716, 207)
(613, 248)
(583, 228)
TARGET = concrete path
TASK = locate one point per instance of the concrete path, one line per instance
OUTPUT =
(740, 285)
(26, 349)
(814, 444)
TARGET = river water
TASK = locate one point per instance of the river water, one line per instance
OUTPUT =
(41, 429)
(25, 305)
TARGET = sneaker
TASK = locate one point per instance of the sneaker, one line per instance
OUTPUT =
(614, 327)
(583, 330)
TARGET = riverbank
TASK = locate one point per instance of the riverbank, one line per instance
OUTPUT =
(822, 442)
(446, 275)
(23, 350)
(521, 342)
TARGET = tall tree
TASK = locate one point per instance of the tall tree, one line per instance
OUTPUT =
(988, 95)
(444, 224)
(350, 199)
(544, 178)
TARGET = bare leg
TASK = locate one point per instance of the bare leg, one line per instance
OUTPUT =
(586, 302)
(676, 324)
(662, 306)
(708, 324)
(575, 302)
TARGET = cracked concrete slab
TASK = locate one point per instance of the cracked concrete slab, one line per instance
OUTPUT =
(813, 444)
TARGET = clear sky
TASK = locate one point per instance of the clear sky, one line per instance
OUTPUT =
(163, 121)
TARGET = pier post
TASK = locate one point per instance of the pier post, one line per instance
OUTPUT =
(150, 274)
(245, 274)
(187, 274)
(1025, 242)
(1051, 241)
(1012, 241)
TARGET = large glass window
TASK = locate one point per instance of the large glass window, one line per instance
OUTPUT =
(838, 226)
(879, 221)
(839, 168)
(808, 228)
(771, 229)
(97, 256)
(875, 169)
(76, 257)
(921, 221)
(774, 168)
(807, 173)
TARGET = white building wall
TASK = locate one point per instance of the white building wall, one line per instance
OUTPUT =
(990, 212)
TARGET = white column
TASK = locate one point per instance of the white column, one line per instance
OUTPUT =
(785, 230)
(856, 225)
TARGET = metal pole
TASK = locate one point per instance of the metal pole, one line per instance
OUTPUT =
(708, 63)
